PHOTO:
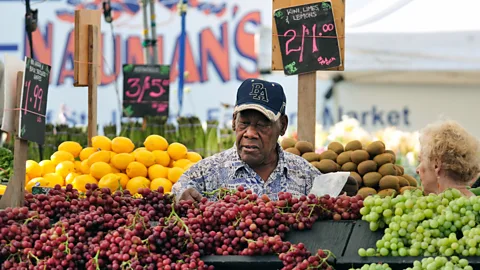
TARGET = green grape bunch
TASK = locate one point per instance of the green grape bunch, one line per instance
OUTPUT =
(374, 266)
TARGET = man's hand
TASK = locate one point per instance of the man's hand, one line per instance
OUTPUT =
(351, 187)
(190, 194)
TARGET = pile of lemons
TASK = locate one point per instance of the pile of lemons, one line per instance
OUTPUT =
(114, 164)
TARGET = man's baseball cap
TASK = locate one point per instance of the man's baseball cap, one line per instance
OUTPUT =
(263, 96)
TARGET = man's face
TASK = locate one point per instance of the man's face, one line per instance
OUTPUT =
(256, 137)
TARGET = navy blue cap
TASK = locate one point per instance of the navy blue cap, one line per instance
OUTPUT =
(263, 96)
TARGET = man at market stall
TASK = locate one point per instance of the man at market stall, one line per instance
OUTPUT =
(256, 161)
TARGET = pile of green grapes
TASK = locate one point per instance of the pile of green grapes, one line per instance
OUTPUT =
(374, 266)
(441, 263)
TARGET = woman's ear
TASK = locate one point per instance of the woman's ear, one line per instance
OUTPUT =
(438, 168)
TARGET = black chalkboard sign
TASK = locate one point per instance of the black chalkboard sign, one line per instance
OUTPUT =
(146, 90)
(308, 38)
(40, 190)
(33, 101)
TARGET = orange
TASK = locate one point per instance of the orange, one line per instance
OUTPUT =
(100, 169)
(111, 181)
(155, 142)
(121, 161)
(54, 179)
(137, 182)
(47, 166)
(174, 174)
(87, 152)
(123, 179)
(100, 156)
(161, 157)
(177, 151)
(157, 171)
(80, 181)
(73, 148)
(33, 169)
(194, 157)
(135, 169)
(101, 142)
(70, 177)
(122, 145)
(161, 182)
(64, 168)
(145, 157)
(60, 156)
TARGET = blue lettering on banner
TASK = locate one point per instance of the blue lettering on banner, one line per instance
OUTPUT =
(211, 114)
(374, 117)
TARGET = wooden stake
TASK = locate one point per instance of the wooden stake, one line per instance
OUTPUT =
(306, 122)
(14, 195)
(92, 81)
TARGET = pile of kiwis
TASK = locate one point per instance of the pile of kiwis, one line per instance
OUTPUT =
(372, 166)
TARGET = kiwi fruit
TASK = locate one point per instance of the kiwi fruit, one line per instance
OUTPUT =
(384, 159)
(357, 177)
(336, 147)
(327, 166)
(329, 154)
(403, 189)
(389, 181)
(358, 156)
(293, 150)
(316, 164)
(371, 179)
(402, 181)
(366, 191)
(288, 143)
(387, 192)
(399, 169)
(366, 167)
(392, 153)
(376, 148)
(304, 147)
(387, 169)
(311, 156)
(349, 167)
(411, 180)
(344, 157)
(353, 145)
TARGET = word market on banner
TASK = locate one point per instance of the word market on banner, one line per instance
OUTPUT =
(146, 90)
(308, 38)
(33, 101)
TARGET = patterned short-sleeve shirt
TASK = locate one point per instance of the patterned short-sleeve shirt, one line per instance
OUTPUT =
(226, 170)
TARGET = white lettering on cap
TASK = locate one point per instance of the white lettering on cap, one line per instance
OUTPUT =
(259, 92)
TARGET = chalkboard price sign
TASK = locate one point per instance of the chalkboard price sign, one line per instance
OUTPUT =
(146, 90)
(40, 190)
(308, 38)
(33, 101)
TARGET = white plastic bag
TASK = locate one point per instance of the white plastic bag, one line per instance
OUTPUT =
(329, 183)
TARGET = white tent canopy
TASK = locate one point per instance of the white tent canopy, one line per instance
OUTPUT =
(422, 41)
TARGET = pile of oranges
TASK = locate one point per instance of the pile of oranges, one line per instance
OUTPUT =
(114, 164)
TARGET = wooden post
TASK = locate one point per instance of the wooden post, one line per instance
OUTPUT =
(92, 81)
(14, 195)
(306, 122)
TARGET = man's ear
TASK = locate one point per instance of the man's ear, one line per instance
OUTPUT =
(284, 122)
(438, 167)
(234, 119)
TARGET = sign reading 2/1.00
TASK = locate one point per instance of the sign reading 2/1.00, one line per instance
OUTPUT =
(33, 102)
(308, 38)
(145, 90)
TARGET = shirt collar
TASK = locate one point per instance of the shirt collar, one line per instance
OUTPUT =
(237, 163)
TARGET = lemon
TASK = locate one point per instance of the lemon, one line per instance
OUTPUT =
(177, 151)
(155, 142)
(135, 169)
(122, 145)
(161, 157)
(102, 143)
(174, 174)
(113, 169)
(140, 149)
(186, 167)
(157, 171)
(26, 179)
(73, 148)
(64, 168)
(181, 163)
(145, 157)
(78, 166)
(100, 156)
(111, 181)
(54, 179)
(100, 169)
(70, 177)
(123, 179)
(33, 169)
(161, 182)
(60, 156)
(194, 157)
(47, 166)
(136, 183)
(87, 152)
(36, 182)
(170, 164)
(85, 168)
(121, 161)
(80, 181)
(3, 188)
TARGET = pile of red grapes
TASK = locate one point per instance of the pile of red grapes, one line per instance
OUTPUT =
(101, 230)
